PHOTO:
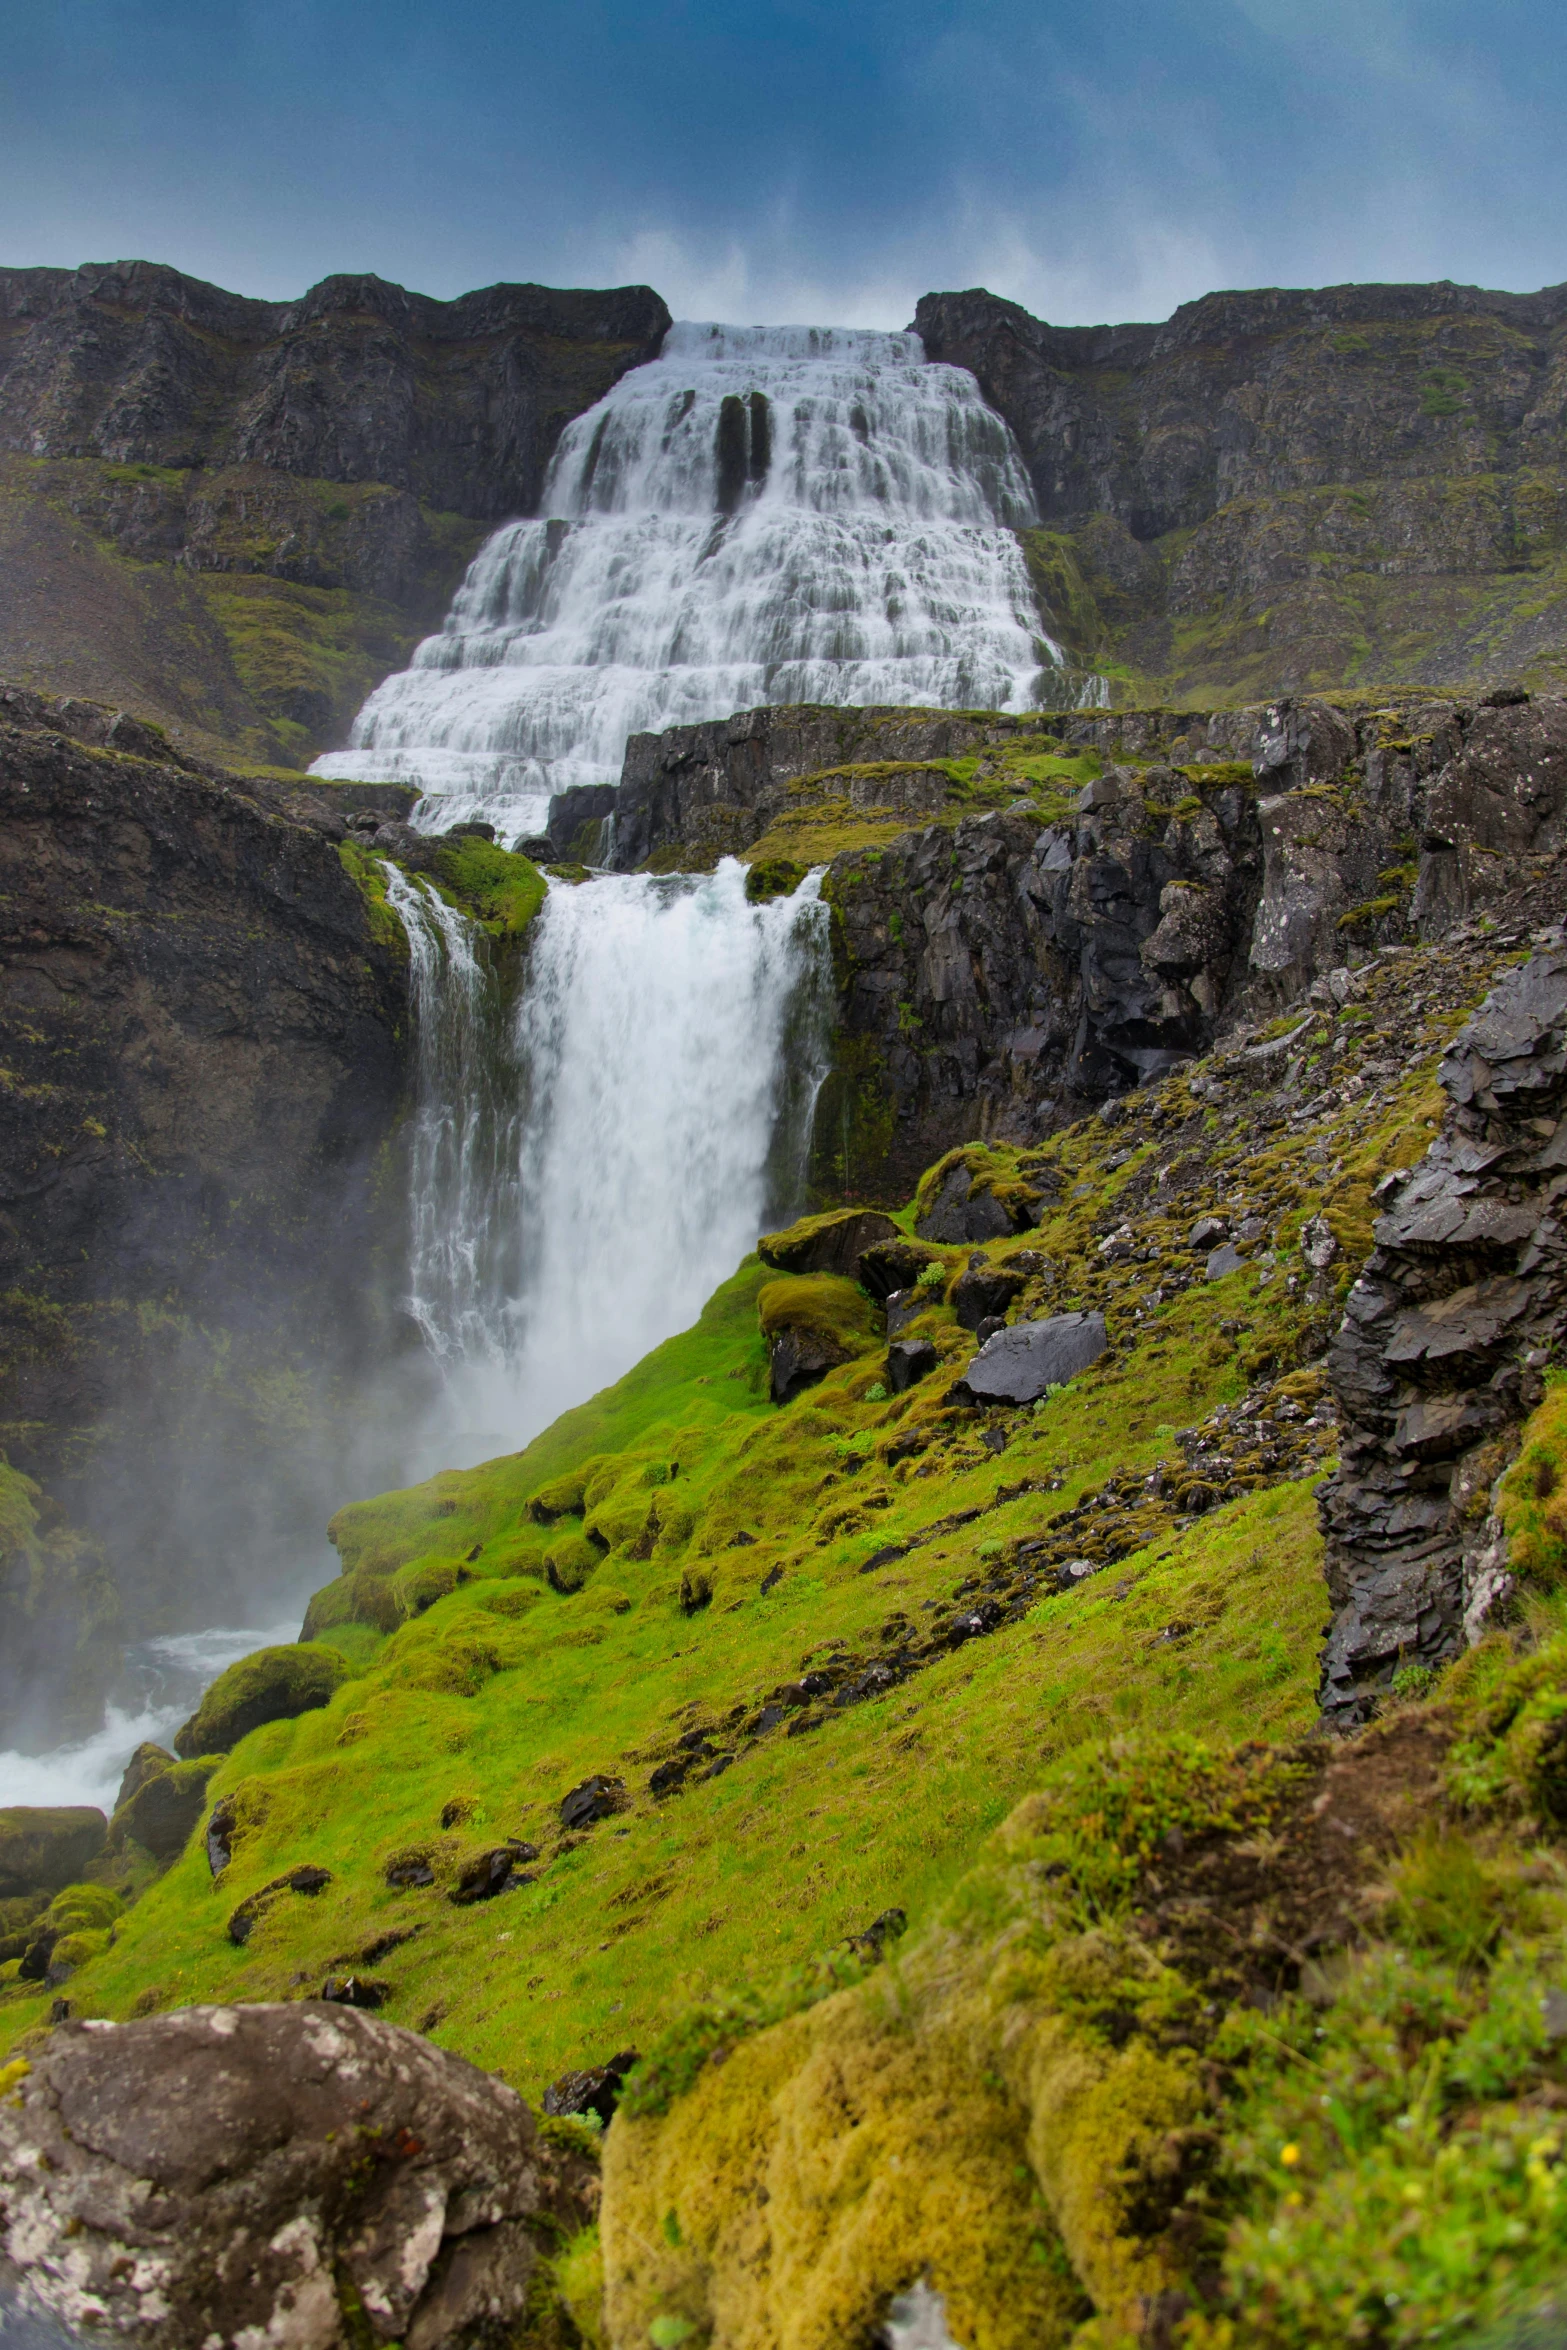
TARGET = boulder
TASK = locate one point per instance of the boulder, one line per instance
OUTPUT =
(812, 1322)
(906, 1306)
(273, 1685)
(984, 1290)
(1222, 1261)
(833, 1243)
(43, 1848)
(1018, 1365)
(145, 1764)
(595, 1799)
(891, 1266)
(594, 2090)
(222, 2174)
(163, 1809)
(798, 1358)
(958, 1212)
(909, 1359)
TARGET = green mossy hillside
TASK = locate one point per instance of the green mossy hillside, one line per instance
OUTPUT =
(827, 1650)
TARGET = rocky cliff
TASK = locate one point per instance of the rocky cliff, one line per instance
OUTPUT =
(1034, 914)
(203, 1023)
(235, 516)
(1275, 491)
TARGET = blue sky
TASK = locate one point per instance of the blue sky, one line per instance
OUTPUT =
(793, 159)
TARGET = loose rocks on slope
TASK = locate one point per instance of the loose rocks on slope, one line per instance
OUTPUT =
(235, 2175)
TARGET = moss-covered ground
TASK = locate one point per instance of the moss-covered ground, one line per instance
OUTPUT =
(1020, 1676)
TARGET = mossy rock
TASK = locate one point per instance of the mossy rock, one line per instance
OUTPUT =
(75, 1950)
(163, 1809)
(83, 1908)
(833, 1242)
(813, 1322)
(273, 1685)
(570, 1561)
(43, 1848)
(773, 877)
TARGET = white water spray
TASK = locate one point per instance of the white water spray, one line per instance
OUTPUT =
(760, 515)
(665, 1061)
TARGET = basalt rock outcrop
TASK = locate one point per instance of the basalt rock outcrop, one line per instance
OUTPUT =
(1276, 490)
(1441, 1356)
(202, 1037)
(297, 484)
(1000, 975)
(301, 2174)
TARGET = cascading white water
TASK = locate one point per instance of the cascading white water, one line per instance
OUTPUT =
(464, 1140)
(645, 1114)
(760, 515)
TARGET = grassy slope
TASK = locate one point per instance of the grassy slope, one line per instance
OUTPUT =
(503, 1694)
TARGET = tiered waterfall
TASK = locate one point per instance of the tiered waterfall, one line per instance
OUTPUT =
(760, 515)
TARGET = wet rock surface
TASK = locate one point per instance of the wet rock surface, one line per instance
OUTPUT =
(204, 1034)
(266, 2174)
(1445, 1338)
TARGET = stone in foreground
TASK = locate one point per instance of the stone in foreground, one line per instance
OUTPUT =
(234, 2175)
(1018, 1365)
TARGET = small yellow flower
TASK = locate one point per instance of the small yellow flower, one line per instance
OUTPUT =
(1290, 2156)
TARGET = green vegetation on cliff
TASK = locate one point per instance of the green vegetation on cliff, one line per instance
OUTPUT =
(1193, 2011)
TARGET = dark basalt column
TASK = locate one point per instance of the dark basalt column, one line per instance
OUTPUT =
(1440, 1357)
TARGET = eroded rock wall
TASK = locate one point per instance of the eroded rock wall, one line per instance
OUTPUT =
(202, 1040)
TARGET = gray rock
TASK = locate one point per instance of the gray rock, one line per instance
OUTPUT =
(959, 1212)
(1206, 1231)
(983, 1292)
(205, 2178)
(909, 1359)
(1018, 1365)
(1222, 1261)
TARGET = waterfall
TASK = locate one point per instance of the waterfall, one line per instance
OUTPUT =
(464, 1136)
(760, 515)
(585, 1170)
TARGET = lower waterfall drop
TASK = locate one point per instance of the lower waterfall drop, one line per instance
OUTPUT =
(585, 1174)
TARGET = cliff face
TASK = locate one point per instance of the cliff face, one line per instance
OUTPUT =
(236, 516)
(202, 1036)
(1281, 490)
(1034, 914)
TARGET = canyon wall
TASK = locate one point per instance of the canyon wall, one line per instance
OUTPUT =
(203, 1029)
(1276, 491)
(234, 517)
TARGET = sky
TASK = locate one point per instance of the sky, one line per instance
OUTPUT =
(770, 161)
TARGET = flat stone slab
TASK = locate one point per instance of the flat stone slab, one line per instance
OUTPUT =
(1017, 1365)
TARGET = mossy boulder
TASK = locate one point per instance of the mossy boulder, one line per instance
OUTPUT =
(272, 1686)
(830, 1243)
(43, 1848)
(163, 1808)
(812, 1323)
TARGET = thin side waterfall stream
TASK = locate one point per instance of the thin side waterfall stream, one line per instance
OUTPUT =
(585, 1174)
